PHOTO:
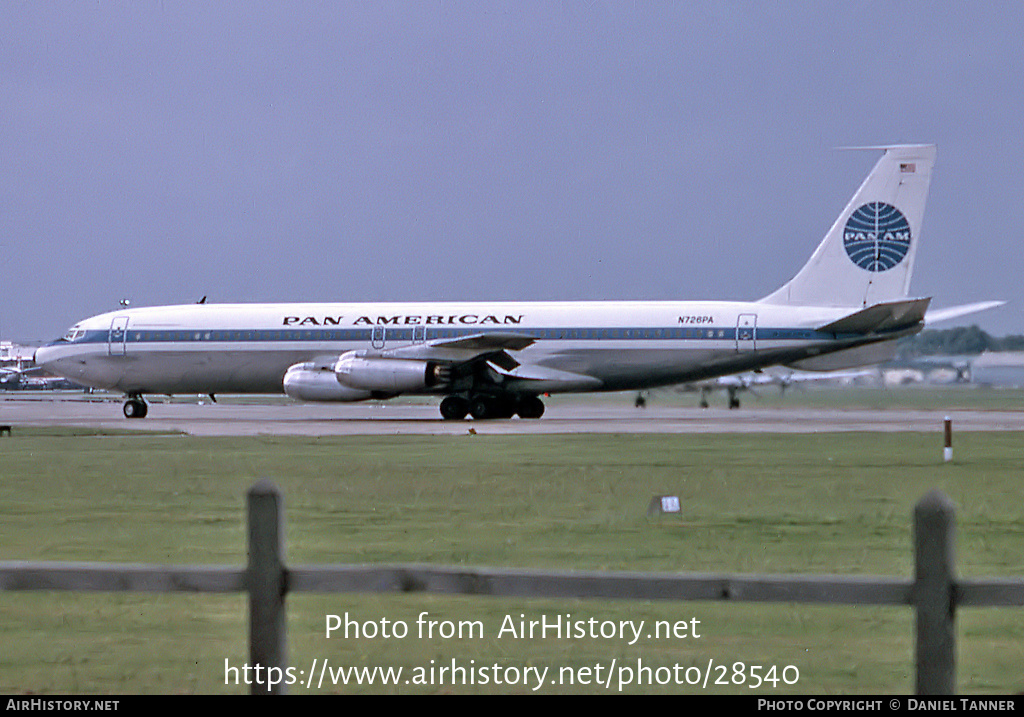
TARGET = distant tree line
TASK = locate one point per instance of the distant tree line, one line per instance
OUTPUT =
(961, 340)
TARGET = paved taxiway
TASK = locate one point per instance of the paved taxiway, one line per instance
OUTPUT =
(240, 419)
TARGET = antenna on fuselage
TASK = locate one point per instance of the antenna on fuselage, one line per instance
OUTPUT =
(124, 303)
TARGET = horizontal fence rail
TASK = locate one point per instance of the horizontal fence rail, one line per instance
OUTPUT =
(128, 577)
(121, 577)
(600, 585)
(837, 589)
(934, 592)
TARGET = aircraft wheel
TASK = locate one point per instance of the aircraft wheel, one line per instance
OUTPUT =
(734, 403)
(531, 407)
(454, 408)
(481, 407)
(135, 408)
(505, 407)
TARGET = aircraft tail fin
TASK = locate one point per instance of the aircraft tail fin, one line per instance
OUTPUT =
(867, 257)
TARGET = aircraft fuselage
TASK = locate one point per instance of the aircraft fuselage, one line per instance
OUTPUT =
(240, 348)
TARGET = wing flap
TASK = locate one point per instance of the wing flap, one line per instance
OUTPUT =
(463, 347)
(490, 341)
(542, 378)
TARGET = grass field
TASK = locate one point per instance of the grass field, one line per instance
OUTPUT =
(911, 396)
(835, 503)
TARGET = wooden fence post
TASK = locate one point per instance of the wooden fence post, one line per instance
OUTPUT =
(934, 599)
(265, 579)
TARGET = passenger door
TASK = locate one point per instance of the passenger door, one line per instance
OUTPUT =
(746, 332)
(118, 337)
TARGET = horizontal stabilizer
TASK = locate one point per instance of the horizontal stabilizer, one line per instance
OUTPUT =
(955, 312)
(880, 317)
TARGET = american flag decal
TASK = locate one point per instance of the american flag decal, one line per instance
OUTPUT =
(908, 168)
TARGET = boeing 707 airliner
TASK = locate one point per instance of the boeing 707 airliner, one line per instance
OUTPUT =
(844, 308)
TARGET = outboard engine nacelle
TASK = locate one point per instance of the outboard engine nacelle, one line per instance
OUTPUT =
(388, 375)
(308, 382)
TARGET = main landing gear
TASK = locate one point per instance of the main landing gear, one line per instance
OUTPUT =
(135, 407)
(483, 406)
(734, 401)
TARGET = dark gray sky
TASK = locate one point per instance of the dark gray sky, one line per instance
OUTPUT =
(363, 151)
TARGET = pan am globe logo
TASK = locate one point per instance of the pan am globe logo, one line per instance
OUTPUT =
(877, 236)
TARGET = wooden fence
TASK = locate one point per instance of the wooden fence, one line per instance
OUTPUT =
(935, 592)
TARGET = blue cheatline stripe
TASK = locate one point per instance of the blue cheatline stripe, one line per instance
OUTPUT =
(398, 335)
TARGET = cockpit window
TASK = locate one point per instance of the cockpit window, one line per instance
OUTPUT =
(74, 334)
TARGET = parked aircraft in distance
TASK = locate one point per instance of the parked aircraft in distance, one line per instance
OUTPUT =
(10, 378)
(17, 376)
(734, 384)
(495, 359)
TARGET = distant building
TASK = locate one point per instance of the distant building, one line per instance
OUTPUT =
(12, 353)
(999, 368)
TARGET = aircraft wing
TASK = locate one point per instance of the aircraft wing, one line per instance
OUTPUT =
(463, 348)
(543, 378)
(490, 341)
(491, 350)
(813, 377)
(745, 381)
(20, 372)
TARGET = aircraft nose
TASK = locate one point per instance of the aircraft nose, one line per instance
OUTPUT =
(44, 356)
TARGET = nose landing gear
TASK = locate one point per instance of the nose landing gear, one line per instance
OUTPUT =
(135, 407)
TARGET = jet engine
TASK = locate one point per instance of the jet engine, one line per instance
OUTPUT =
(309, 382)
(388, 375)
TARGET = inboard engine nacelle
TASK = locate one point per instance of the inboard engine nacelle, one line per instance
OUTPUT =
(387, 375)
